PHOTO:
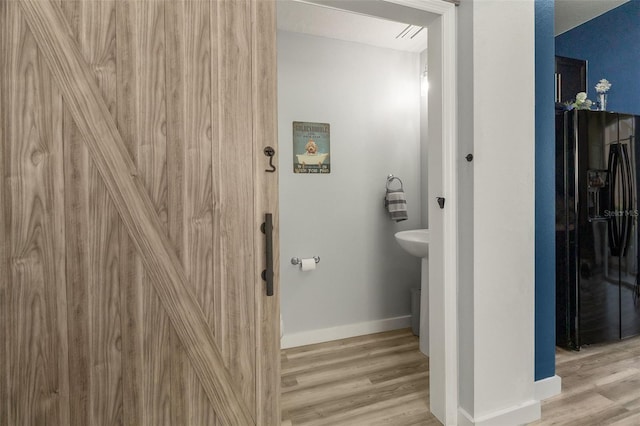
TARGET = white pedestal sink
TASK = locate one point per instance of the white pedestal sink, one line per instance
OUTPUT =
(416, 243)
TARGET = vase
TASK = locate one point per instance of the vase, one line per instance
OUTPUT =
(602, 101)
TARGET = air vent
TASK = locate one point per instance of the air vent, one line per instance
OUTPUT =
(410, 32)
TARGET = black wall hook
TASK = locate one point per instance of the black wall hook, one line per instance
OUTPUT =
(270, 152)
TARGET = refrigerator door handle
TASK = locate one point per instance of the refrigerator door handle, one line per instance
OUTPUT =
(614, 232)
(627, 198)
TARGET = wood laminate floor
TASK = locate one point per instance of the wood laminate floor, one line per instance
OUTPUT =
(600, 386)
(379, 379)
(383, 379)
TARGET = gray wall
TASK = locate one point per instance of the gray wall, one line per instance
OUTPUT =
(371, 98)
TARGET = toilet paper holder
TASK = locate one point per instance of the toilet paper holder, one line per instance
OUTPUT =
(298, 261)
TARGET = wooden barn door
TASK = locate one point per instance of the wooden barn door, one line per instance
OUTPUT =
(132, 190)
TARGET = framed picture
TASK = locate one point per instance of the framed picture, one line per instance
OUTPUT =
(311, 147)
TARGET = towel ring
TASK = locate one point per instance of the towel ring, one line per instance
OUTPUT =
(391, 178)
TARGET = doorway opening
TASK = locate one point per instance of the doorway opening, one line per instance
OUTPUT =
(341, 66)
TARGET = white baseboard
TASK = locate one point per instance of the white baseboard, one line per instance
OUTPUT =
(343, 331)
(518, 415)
(546, 388)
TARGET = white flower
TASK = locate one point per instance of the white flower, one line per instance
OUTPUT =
(603, 86)
(581, 101)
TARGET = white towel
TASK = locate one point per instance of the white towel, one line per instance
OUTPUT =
(396, 202)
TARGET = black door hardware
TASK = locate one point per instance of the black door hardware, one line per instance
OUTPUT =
(270, 152)
(267, 230)
(440, 202)
(469, 157)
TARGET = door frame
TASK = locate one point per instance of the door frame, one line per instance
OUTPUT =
(443, 122)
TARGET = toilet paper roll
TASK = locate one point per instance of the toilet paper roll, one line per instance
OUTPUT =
(308, 264)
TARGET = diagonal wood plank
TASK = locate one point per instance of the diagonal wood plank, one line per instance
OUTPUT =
(116, 168)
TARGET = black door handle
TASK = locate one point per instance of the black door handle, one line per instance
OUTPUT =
(267, 230)
(440, 202)
(613, 165)
(627, 198)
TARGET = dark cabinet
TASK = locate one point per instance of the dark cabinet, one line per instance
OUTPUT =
(570, 78)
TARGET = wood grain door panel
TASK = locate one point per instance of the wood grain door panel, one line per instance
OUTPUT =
(132, 196)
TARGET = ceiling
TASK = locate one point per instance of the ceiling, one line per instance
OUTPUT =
(571, 13)
(326, 21)
(363, 22)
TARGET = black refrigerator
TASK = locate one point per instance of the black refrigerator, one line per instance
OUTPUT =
(597, 253)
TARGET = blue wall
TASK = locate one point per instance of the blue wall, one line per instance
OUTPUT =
(545, 266)
(611, 45)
